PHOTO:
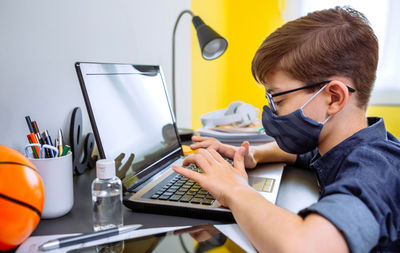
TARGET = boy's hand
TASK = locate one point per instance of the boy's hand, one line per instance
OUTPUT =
(225, 150)
(219, 177)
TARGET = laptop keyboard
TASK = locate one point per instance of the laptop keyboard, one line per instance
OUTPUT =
(182, 189)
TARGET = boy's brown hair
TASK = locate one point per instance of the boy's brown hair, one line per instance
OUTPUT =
(324, 43)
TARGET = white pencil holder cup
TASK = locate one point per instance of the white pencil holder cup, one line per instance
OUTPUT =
(57, 176)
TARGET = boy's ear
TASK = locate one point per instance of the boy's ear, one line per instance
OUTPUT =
(338, 96)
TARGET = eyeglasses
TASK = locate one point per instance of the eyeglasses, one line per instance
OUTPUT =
(270, 96)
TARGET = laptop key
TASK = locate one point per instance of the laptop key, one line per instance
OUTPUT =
(209, 196)
(155, 196)
(196, 200)
(207, 201)
(186, 198)
(191, 166)
(202, 191)
(175, 197)
(193, 190)
(164, 197)
(199, 195)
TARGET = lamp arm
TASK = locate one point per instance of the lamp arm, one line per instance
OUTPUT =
(173, 58)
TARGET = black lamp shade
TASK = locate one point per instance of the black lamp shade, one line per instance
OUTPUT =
(212, 44)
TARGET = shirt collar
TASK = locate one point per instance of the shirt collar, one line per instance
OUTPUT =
(327, 166)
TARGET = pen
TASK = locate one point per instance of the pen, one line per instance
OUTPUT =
(47, 140)
(72, 240)
(57, 146)
(36, 129)
(60, 142)
(29, 122)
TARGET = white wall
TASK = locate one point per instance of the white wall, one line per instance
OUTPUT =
(42, 39)
(384, 20)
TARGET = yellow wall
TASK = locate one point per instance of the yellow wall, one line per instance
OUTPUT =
(391, 115)
(245, 24)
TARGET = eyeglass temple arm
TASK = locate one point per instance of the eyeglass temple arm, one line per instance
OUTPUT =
(308, 86)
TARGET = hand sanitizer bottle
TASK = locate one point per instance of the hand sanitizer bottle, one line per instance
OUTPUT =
(106, 197)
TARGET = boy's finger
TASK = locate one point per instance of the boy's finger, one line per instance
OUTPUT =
(197, 159)
(216, 155)
(195, 176)
(246, 146)
(199, 138)
(238, 159)
(203, 144)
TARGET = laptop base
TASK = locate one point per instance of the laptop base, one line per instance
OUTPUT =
(185, 212)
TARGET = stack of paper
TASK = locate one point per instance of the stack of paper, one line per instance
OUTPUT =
(236, 137)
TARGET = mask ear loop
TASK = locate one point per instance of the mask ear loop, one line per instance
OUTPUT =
(308, 101)
(323, 123)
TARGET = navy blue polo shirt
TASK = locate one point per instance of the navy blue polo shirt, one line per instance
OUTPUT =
(360, 188)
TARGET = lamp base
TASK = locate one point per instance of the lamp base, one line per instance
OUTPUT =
(185, 134)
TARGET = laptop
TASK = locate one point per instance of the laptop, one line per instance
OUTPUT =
(131, 118)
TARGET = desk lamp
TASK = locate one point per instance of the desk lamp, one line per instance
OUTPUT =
(212, 46)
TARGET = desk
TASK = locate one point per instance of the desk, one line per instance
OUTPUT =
(298, 190)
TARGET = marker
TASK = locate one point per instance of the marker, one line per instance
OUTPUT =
(72, 240)
(29, 122)
(65, 150)
(32, 139)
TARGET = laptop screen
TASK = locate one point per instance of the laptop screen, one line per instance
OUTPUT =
(129, 112)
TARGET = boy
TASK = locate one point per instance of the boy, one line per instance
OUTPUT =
(318, 72)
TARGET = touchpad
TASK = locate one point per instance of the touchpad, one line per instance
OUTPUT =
(262, 184)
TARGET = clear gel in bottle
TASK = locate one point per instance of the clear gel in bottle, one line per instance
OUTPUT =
(106, 197)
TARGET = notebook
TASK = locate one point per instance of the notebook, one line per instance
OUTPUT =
(131, 117)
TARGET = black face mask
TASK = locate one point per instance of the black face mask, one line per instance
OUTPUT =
(294, 133)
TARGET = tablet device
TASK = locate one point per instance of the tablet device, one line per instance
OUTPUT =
(194, 239)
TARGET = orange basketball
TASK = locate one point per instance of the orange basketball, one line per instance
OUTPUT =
(21, 198)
